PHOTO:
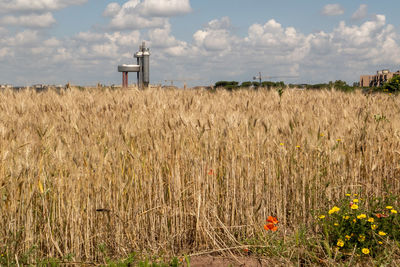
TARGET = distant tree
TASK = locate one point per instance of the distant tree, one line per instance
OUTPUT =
(221, 84)
(268, 84)
(342, 86)
(246, 84)
(318, 86)
(280, 84)
(227, 85)
(393, 85)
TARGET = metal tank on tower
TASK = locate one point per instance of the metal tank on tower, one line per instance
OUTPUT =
(142, 68)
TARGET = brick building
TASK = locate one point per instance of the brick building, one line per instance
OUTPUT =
(378, 79)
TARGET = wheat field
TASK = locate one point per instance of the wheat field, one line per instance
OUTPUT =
(173, 171)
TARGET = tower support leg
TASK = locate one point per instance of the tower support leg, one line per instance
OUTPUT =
(124, 79)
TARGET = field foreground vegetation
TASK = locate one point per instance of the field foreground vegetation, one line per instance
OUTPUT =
(89, 176)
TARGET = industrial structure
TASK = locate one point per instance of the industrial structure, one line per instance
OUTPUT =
(377, 80)
(142, 68)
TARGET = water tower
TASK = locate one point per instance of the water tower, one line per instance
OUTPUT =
(142, 68)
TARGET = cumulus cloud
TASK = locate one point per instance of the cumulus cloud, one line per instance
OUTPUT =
(6, 52)
(112, 10)
(31, 21)
(165, 8)
(32, 13)
(3, 30)
(332, 10)
(36, 5)
(215, 36)
(215, 53)
(26, 37)
(128, 16)
(343, 53)
(161, 38)
(137, 14)
(361, 13)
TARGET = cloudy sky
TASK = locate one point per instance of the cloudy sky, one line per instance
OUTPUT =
(200, 41)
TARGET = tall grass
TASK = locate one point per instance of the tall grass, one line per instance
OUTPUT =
(86, 174)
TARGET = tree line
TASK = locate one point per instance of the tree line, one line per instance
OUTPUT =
(393, 85)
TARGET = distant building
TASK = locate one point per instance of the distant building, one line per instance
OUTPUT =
(377, 80)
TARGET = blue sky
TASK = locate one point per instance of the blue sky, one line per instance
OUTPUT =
(201, 41)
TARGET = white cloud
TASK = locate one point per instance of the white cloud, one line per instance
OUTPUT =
(52, 42)
(215, 36)
(129, 17)
(36, 5)
(215, 53)
(5, 51)
(162, 38)
(89, 36)
(3, 30)
(30, 21)
(26, 37)
(32, 13)
(137, 14)
(165, 8)
(111, 10)
(361, 13)
(332, 10)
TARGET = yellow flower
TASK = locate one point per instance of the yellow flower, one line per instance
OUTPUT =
(347, 237)
(322, 134)
(371, 220)
(380, 242)
(336, 224)
(389, 207)
(374, 226)
(365, 251)
(347, 195)
(381, 233)
(340, 243)
(339, 140)
(334, 209)
(354, 220)
(394, 211)
(355, 200)
(362, 216)
(361, 238)
(282, 144)
(346, 217)
(297, 146)
(354, 207)
(355, 195)
(321, 216)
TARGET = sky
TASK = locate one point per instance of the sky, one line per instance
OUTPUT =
(197, 41)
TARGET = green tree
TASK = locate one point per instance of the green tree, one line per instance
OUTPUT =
(227, 85)
(393, 85)
(342, 86)
(246, 84)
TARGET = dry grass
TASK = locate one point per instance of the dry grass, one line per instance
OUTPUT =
(180, 171)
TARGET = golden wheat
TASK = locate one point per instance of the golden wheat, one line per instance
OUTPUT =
(176, 171)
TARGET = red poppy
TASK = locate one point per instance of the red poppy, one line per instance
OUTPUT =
(211, 172)
(380, 215)
(272, 220)
(270, 226)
